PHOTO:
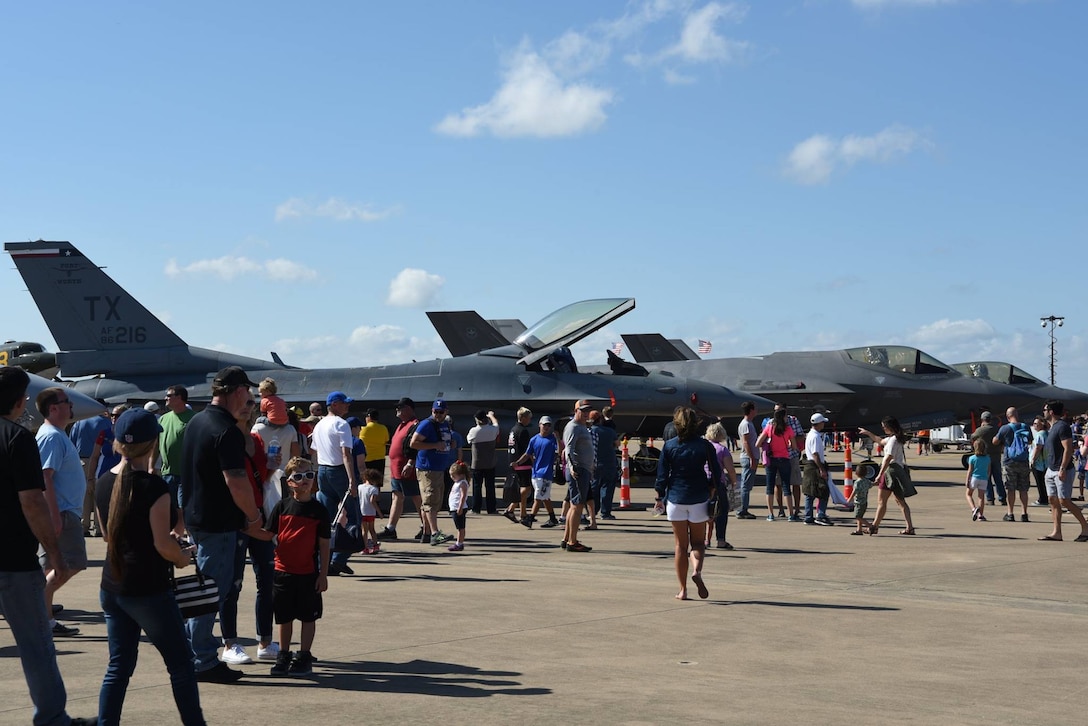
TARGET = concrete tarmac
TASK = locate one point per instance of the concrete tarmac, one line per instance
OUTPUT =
(964, 623)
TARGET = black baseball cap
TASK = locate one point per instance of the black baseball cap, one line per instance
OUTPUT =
(233, 376)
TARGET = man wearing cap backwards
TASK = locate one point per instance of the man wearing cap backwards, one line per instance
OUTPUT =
(218, 502)
(987, 432)
(433, 440)
(336, 469)
(24, 522)
(578, 443)
(814, 477)
(375, 437)
(402, 468)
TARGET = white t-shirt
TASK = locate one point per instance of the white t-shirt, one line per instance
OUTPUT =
(366, 506)
(458, 495)
(893, 447)
(330, 434)
(285, 435)
(814, 446)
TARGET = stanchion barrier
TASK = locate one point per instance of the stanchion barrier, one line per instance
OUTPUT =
(625, 478)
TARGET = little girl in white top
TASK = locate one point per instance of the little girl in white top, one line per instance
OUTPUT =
(459, 502)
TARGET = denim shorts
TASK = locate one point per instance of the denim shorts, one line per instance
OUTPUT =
(578, 489)
(1059, 486)
(72, 544)
(407, 487)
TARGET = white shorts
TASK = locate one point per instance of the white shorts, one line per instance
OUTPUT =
(542, 489)
(694, 513)
(978, 484)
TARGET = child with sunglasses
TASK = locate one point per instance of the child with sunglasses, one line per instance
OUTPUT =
(301, 526)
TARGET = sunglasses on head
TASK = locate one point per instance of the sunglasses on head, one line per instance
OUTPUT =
(300, 476)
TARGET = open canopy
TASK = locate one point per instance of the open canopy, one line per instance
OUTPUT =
(568, 325)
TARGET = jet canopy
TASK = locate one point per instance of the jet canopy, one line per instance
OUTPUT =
(550, 337)
(898, 358)
(999, 372)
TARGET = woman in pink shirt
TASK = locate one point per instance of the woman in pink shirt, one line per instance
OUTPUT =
(782, 439)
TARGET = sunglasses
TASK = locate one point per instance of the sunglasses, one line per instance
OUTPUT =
(301, 476)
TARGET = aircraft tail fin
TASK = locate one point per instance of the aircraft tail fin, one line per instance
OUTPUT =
(653, 348)
(684, 349)
(508, 328)
(82, 305)
(464, 332)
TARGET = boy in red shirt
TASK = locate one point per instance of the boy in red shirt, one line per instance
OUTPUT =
(301, 526)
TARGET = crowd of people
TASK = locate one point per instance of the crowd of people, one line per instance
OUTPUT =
(243, 480)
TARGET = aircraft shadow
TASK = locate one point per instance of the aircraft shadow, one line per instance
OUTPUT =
(956, 535)
(432, 678)
(792, 551)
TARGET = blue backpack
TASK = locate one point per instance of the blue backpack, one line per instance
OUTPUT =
(1020, 446)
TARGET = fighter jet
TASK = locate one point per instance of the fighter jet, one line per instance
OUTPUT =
(31, 357)
(83, 406)
(1075, 401)
(102, 331)
(853, 387)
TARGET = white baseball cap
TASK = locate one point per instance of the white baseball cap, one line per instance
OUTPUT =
(819, 418)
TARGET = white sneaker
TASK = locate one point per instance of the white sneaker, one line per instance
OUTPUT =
(235, 655)
(268, 653)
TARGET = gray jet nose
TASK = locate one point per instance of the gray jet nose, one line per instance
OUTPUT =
(719, 401)
(83, 406)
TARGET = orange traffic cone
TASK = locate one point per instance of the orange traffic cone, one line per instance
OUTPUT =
(847, 470)
(625, 479)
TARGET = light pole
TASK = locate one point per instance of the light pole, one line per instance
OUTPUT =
(1051, 320)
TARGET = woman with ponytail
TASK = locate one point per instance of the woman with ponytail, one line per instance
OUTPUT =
(893, 478)
(136, 592)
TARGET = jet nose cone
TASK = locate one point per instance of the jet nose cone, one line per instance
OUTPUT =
(721, 401)
(83, 406)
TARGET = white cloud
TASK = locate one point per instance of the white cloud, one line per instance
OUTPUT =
(532, 101)
(575, 54)
(677, 79)
(414, 288)
(230, 267)
(700, 41)
(815, 159)
(334, 208)
(365, 346)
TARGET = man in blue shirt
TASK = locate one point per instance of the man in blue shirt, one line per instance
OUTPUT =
(433, 439)
(606, 473)
(65, 488)
(541, 453)
(84, 434)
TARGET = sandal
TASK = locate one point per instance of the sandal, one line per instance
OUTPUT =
(907, 531)
(698, 580)
(857, 531)
(872, 529)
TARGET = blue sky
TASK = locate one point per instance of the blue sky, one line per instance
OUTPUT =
(805, 174)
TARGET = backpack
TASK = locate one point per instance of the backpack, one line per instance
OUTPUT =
(1020, 446)
(407, 451)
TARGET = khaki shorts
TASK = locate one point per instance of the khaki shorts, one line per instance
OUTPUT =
(73, 547)
(432, 485)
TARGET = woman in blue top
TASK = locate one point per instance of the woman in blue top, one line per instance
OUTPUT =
(682, 482)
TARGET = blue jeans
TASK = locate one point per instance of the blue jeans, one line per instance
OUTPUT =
(332, 485)
(605, 487)
(261, 554)
(821, 508)
(995, 485)
(22, 603)
(722, 520)
(158, 616)
(215, 552)
(173, 481)
(747, 481)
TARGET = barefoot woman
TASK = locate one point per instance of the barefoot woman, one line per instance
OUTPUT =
(682, 482)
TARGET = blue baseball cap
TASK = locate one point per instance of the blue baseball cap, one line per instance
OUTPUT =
(354, 421)
(338, 397)
(136, 426)
(439, 404)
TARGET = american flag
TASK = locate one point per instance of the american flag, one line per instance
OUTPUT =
(704, 346)
(617, 348)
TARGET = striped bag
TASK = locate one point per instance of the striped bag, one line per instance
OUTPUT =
(196, 595)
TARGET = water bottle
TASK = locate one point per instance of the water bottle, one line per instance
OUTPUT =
(274, 454)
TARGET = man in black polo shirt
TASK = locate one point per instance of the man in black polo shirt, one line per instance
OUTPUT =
(218, 502)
